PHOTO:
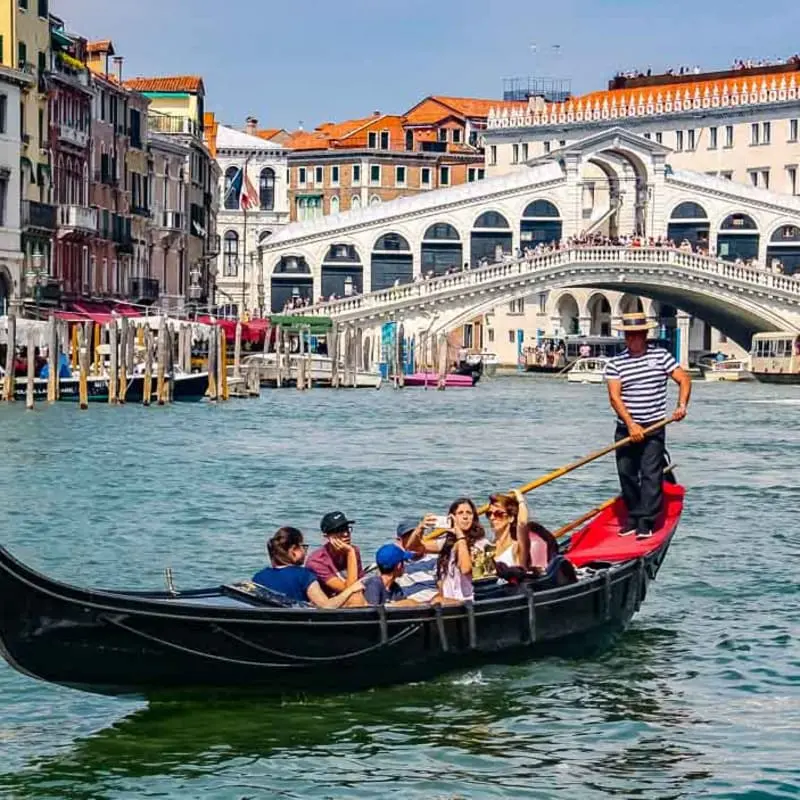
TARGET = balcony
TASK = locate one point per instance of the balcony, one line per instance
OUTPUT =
(77, 220)
(72, 135)
(172, 124)
(143, 290)
(38, 215)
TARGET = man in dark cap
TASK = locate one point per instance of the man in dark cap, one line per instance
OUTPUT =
(337, 564)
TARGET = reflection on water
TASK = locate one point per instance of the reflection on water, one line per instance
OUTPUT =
(700, 697)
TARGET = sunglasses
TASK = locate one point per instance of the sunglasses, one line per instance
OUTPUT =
(496, 514)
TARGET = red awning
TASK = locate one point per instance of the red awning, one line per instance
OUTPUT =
(253, 331)
(96, 312)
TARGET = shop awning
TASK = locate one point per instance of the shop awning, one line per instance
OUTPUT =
(252, 331)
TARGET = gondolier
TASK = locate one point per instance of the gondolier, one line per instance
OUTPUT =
(637, 389)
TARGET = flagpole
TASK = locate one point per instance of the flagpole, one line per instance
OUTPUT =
(244, 237)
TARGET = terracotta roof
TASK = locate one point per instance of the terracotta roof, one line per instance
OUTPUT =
(473, 106)
(177, 83)
(307, 140)
(103, 46)
(436, 108)
(270, 133)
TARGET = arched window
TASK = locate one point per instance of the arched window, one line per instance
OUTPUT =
(355, 202)
(491, 219)
(738, 222)
(233, 185)
(541, 208)
(263, 236)
(334, 205)
(442, 230)
(230, 254)
(392, 242)
(689, 211)
(374, 200)
(266, 189)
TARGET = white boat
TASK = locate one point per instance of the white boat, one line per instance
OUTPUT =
(731, 369)
(588, 370)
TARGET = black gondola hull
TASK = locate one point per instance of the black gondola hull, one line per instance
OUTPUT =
(147, 643)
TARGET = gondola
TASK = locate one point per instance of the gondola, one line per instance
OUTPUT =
(185, 387)
(237, 637)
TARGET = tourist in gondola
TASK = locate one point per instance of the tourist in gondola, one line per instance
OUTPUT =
(288, 576)
(384, 588)
(508, 515)
(337, 564)
(465, 551)
(637, 390)
(418, 580)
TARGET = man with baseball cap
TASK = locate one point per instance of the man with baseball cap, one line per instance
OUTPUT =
(337, 564)
(383, 587)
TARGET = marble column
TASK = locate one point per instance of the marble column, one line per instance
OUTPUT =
(684, 321)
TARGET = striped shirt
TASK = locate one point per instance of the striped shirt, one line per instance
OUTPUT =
(644, 382)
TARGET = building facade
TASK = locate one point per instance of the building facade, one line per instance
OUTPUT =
(177, 111)
(13, 83)
(254, 203)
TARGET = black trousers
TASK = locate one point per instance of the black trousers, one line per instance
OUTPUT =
(641, 472)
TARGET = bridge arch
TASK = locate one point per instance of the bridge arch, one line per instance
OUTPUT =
(540, 223)
(689, 220)
(490, 231)
(567, 312)
(600, 314)
(342, 273)
(391, 260)
(784, 245)
(441, 248)
(291, 280)
(738, 237)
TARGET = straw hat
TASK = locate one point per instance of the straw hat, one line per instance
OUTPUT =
(635, 322)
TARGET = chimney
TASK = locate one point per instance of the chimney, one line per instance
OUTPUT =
(118, 66)
(376, 113)
(251, 126)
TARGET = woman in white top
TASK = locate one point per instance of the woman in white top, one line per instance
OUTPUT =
(508, 515)
(454, 566)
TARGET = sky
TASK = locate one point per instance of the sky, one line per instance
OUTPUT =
(293, 63)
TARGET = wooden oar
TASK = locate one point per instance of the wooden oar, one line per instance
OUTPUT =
(593, 512)
(561, 471)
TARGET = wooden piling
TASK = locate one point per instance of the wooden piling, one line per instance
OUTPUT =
(279, 357)
(52, 359)
(147, 389)
(212, 363)
(442, 362)
(9, 380)
(75, 351)
(161, 358)
(130, 353)
(98, 340)
(187, 344)
(237, 351)
(300, 372)
(222, 364)
(122, 366)
(170, 365)
(401, 376)
(333, 354)
(31, 372)
(84, 337)
(113, 378)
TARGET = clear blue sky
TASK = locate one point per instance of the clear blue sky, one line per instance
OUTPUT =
(315, 60)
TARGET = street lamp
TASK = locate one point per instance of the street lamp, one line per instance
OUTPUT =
(36, 276)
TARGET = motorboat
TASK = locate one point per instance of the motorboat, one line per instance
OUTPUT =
(731, 369)
(588, 370)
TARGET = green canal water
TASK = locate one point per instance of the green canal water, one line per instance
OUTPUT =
(701, 698)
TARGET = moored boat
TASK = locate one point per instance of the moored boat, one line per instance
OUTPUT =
(588, 370)
(731, 369)
(431, 379)
(235, 636)
(775, 357)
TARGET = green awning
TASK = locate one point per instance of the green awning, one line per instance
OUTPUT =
(59, 37)
(293, 323)
(42, 174)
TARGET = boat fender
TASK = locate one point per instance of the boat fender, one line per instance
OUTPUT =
(384, 625)
(469, 605)
(437, 610)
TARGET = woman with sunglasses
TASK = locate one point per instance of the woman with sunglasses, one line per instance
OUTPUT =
(508, 515)
(289, 577)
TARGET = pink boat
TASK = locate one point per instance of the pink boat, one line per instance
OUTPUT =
(431, 379)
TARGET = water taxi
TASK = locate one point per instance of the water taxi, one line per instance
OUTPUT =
(588, 370)
(731, 369)
(775, 357)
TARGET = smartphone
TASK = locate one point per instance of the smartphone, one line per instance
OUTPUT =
(445, 522)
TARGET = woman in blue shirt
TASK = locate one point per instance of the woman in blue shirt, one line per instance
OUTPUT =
(289, 577)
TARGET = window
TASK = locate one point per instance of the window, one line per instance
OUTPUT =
(355, 201)
(766, 132)
(516, 307)
(374, 175)
(793, 126)
(266, 189)
(230, 254)
(727, 175)
(712, 138)
(729, 136)
(547, 147)
(22, 54)
(514, 153)
(444, 176)
(400, 176)
(442, 134)
(356, 174)
(492, 155)
(472, 175)
(334, 205)
(43, 9)
(233, 183)
(372, 140)
(512, 337)
(791, 174)
(691, 136)
(765, 179)
(679, 140)
(754, 133)
(3, 112)
(562, 143)
(542, 302)
(3, 198)
(648, 135)
(319, 176)
(490, 335)
(659, 137)
(754, 177)
(301, 175)
(525, 151)
(23, 4)
(334, 176)
(456, 135)
(384, 140)
(425, 176)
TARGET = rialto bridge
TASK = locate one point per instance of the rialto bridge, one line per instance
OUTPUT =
(615, 183)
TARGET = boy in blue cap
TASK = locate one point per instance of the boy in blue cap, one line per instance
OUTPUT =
(383, 588)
